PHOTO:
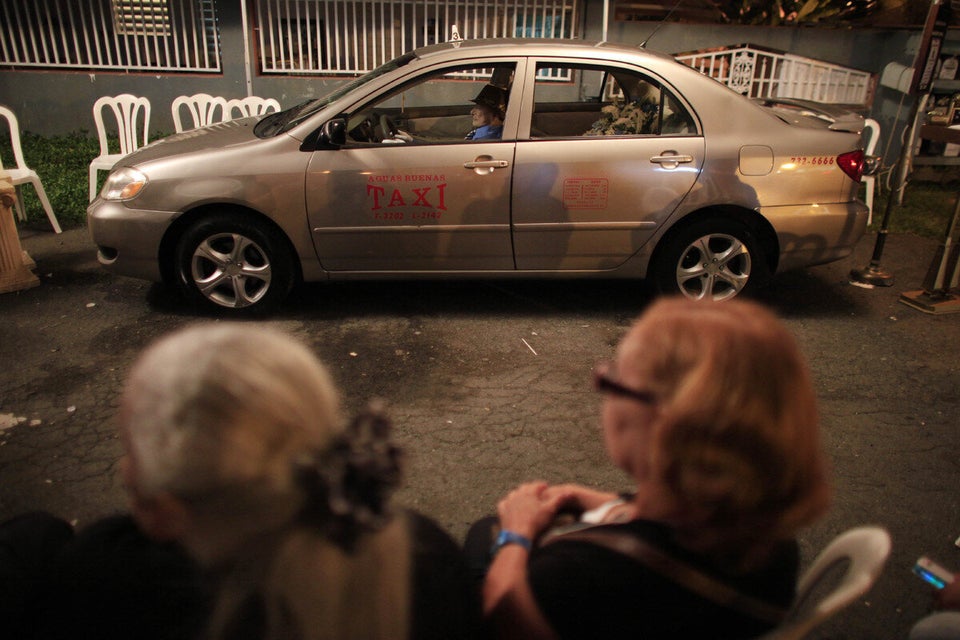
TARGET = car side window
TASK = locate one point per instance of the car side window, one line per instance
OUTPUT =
(595, 100)
(453, 104)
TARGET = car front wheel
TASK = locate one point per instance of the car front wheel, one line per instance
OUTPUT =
(231, 262)
(713, 259)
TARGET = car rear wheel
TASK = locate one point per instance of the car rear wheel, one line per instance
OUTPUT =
(714, 259)
(231, 262)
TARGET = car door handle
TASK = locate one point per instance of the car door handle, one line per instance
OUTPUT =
(486, 164)
(671, 159)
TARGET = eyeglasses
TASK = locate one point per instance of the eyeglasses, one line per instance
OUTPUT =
(604, 383)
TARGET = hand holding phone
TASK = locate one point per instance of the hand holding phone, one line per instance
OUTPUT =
(932, 572)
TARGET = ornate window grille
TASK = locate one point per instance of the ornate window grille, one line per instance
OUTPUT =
(764, 73)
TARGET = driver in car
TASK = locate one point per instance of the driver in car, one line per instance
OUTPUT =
(488, 114)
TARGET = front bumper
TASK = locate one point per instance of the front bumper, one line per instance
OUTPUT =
(128, 240)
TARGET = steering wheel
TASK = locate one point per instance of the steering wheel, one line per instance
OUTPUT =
(388, 128)
(391, 133)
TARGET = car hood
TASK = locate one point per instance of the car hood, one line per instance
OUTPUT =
(214, 136)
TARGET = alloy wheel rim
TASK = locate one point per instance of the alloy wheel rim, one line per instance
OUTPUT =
(715, 266)
(231, 270)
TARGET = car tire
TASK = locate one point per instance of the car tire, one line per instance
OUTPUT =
(716, 258)
(233, 264)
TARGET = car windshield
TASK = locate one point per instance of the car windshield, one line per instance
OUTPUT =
(277, 123)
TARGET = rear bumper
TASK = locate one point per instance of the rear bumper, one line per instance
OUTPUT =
(816, 234)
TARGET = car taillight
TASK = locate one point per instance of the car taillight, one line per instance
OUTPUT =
(852, 164)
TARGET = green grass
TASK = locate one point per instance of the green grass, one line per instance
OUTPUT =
(63, 163)
(929, 199)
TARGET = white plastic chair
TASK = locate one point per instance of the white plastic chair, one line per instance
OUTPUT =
(202, 108)
(873, 127)
(132, 114)
(865, 551)
(251, 106)
(23, 174)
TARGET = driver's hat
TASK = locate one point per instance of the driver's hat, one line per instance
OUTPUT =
(493, 97)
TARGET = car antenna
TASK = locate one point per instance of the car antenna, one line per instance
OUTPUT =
(643, 44)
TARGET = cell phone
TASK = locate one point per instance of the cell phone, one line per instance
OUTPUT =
(932, 572)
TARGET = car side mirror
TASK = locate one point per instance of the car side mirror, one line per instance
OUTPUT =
(333, 134)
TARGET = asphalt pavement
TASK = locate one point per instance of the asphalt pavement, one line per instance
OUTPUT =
(488, 384)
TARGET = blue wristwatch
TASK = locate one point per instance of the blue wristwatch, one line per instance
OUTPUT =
(506, 537)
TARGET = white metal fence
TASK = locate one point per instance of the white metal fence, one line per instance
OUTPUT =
(129, 35)
(759, 73)
(332, 37)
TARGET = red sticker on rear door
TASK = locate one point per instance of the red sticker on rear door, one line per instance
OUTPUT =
(585, 193)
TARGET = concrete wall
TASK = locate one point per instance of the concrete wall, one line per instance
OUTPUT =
(50, 103)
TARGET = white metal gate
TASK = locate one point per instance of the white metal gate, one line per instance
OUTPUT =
(760, 73)
(128, 35)
(353, 36)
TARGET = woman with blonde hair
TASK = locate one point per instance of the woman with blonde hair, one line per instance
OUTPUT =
(235, 448)
(709, 408)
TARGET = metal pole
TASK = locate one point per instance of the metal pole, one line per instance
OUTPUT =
(937, 295)
(954, 281)
(606, 18)
(939, 275)
(873, 273)
(245, 27)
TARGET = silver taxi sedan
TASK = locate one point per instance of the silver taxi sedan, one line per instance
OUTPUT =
(489, 158)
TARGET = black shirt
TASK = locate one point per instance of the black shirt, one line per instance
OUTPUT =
(589, 591)
(444, 603)
(111, 581)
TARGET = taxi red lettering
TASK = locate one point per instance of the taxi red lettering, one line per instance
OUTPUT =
(440, 189)
(396, 200)
(421, 200)
(376, 192)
